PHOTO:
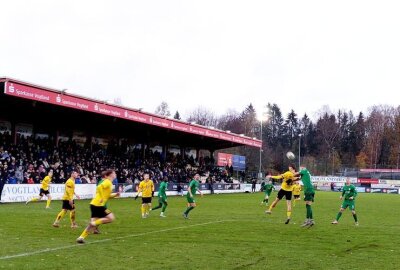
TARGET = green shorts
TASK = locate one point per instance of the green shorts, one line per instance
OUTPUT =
(162, 199)
(350, 204)
(190, 199)
(267, 193)
(309, 196)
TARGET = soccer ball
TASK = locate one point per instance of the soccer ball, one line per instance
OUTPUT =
(290, 155)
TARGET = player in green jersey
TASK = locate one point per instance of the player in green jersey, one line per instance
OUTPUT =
(309, 194)
(193, 187)
(349, 193)
(267, 188)
(162, 197)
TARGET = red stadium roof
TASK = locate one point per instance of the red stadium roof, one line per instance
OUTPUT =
(21, 89)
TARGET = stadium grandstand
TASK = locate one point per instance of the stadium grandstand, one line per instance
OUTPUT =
(388, 174)
(43, 128)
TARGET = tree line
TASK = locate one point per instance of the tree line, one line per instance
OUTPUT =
(329, 144)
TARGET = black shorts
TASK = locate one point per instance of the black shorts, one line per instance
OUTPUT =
(296, 196)
(99, 211)
(146, 200)
(67, 206)
(283, 193)
(43, 192)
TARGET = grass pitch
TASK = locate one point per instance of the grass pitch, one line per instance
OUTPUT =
(224, 232)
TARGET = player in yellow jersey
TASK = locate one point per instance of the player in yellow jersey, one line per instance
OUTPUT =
(146, 187)
(100, 213)
(296, 192)
(288, 178)
(68, 201)
(44, 190)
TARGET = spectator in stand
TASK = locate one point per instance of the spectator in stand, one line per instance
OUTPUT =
(180, 189)
(115, 183)
(2, 180)
(78, 180)
(31, 157)
(19, 174)
(211, 181)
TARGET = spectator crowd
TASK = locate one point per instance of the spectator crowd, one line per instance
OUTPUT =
(29, 160)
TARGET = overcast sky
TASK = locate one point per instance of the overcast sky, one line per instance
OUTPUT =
(219, 54)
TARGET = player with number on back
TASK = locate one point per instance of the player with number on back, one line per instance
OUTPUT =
(44, 190)
(349, 194)
(162, 197)
(309, 194)
(68, 203)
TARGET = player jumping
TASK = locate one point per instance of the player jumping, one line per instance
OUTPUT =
(286, 191)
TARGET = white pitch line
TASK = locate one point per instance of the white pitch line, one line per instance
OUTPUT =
(106, 240)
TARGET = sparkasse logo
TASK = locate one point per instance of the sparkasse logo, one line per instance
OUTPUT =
(11, 88)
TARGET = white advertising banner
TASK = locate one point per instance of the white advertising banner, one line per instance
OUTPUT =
(248, 187)
(24, 192)
(394, 183)
(334, 179)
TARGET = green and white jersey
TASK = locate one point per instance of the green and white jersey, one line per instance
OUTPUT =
(306, 179)
(349, 191)
(193, 186)
(268, 188)
(162, 190)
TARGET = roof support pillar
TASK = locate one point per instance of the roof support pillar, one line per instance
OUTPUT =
(165, 149)
(13, 132)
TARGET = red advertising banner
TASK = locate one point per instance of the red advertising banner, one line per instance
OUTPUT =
(67, 100)
(367, 181)
(224, 159)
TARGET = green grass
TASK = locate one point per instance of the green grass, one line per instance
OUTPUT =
(245, 238)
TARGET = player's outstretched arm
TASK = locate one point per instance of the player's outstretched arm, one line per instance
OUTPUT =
(277, 177)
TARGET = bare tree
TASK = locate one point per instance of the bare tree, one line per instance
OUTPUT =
(117, 101)
(230, 121)
(163, 109)
(203, 116)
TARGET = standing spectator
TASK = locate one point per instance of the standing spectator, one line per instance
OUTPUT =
(253, 185)
(2, 181)
(211, 183)
(180, 189)
(19, 174)
(115, 183)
